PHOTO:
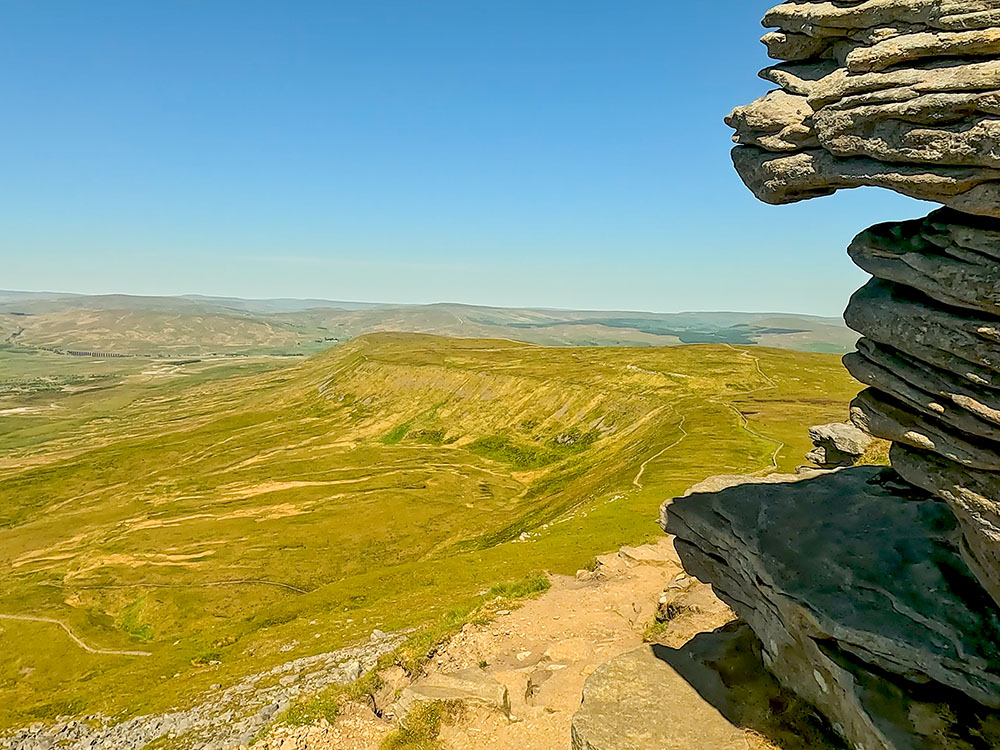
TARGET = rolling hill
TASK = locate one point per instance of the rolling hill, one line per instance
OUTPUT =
(228, 516)
(212, 326)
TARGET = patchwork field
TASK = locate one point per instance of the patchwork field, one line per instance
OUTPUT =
(176, 525)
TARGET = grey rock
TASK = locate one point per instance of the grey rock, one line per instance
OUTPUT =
(638, 701)
(222, 720)
(863, 605)
(926, 403)
(884, 417)
(972, 495)
(912, 254)
(837, 444)
(900, 94)
(964, 344)
(980, 400)
(471, 686)
(787, 178)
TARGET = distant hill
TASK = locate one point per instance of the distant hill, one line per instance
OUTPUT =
(195, 325)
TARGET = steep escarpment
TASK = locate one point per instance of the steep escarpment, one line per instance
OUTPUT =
(875, 593)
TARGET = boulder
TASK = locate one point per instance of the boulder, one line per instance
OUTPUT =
(863, 603)
(837, 444)
(638, 701)
(471, 686)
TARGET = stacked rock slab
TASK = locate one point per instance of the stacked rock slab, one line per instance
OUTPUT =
(905, 95)
(901, 94)
(931, 356)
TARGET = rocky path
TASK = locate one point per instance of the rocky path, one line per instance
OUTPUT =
(542, 655)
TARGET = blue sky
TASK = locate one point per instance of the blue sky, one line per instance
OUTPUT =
(559, 153)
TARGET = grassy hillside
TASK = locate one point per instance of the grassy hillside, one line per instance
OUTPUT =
(226, 517)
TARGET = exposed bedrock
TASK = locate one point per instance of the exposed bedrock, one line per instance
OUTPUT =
(901, 94)
(931, 358)
(877, 602)
(863, 603)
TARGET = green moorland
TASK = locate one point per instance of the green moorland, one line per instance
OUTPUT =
(226, 516)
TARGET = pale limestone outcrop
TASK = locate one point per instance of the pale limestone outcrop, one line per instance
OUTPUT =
(901, 94)
(876, 602)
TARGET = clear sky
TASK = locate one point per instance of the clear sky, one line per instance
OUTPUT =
(559, 153)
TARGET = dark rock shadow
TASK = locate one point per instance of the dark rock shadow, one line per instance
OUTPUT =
(726, 669)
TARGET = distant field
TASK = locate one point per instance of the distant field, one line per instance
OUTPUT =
(205, 326)
(228, 515)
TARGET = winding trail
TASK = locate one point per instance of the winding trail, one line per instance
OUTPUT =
(75, 638)
(244, 582)
(642, 468)
(745, 423)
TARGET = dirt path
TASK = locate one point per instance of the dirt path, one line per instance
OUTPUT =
(642, 468)
(74, 637)
(745, 423)
(542, 653)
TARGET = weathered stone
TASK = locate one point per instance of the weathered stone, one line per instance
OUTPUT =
(843, 437)
(882, 367)
(783, 45)
(863, 605)
(777, 122)
(884, 417)
(902, 253)
(972, 495)
(900, 94)
(910, 47)
(922, 402)
(831, 18)
(966, 345)
(472, 686)
(904, 95)
(799, 78)
(623, 709)
(787, 178)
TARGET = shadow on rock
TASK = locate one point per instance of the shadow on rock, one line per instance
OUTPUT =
(726, 669)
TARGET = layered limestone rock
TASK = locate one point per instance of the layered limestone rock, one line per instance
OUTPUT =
(901, 94)
(931, 356)
(861, 601)
(837, 445)
(875, 592)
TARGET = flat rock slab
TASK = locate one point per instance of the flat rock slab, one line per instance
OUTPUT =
(471, 686)
(640, 702)
(864, 606)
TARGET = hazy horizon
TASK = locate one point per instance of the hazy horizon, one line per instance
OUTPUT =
(394, 303)
(519, 154)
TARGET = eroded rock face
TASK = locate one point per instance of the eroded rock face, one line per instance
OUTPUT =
(902, 94)
(863, 604)
(849, 586)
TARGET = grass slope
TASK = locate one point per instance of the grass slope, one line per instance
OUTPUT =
(226, 522)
